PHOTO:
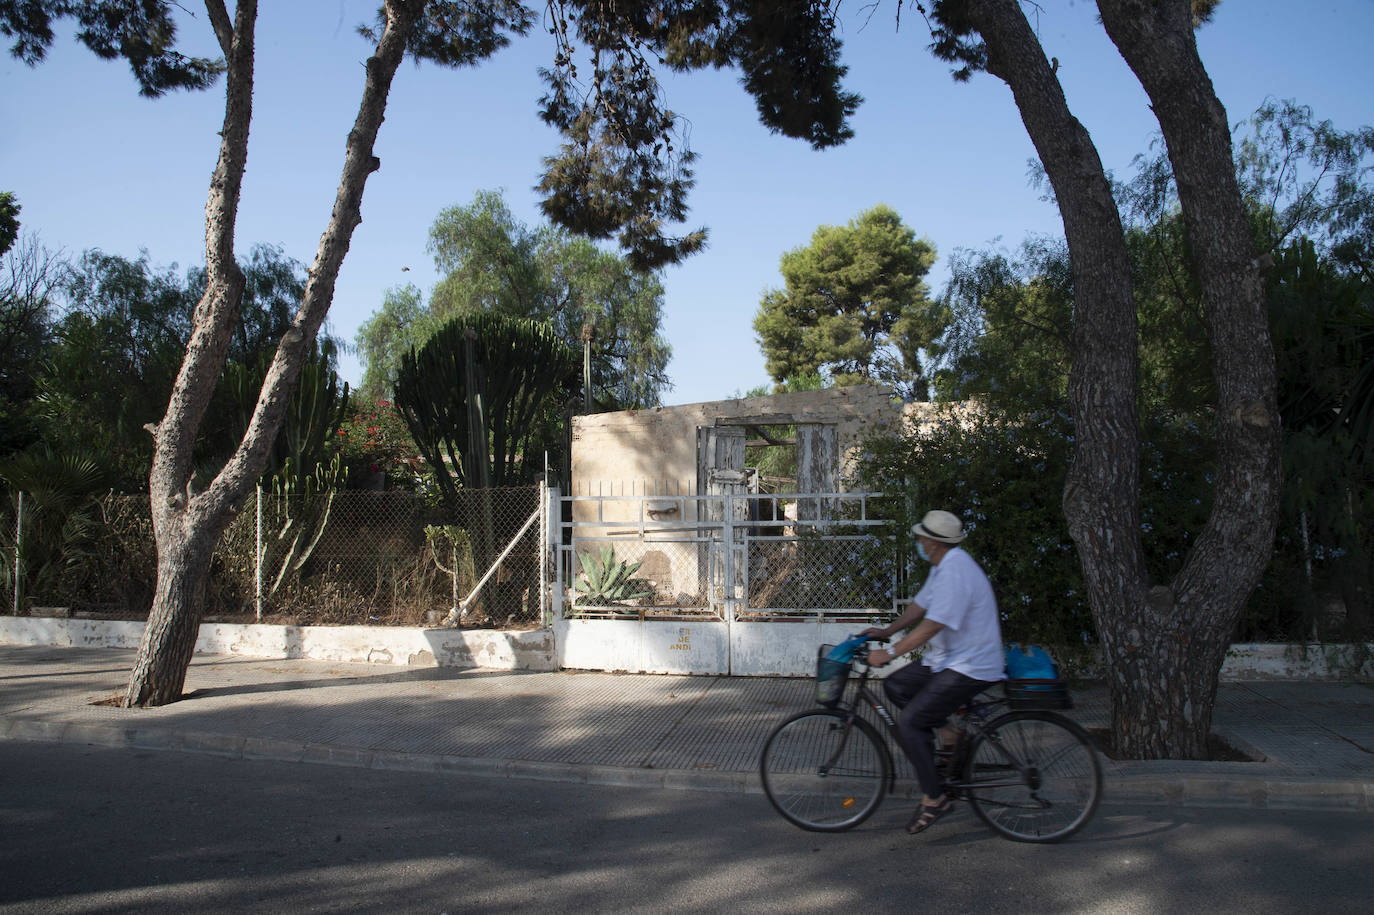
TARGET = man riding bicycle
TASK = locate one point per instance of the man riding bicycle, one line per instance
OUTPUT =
(958, 624)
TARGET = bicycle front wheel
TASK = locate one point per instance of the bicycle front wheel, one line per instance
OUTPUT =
(823, 773)
(1034, 777)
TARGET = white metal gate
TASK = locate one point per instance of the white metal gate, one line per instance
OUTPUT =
(728, 582)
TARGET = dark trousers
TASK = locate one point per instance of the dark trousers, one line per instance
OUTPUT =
(926, 700)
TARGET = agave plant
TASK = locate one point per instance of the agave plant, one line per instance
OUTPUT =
(607, 580)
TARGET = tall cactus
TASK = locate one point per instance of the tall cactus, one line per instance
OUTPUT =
(313, 415)
(482, 398)
(303, 501)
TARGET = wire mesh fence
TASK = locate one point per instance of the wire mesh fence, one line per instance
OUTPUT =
(811, 573)
(340, 558)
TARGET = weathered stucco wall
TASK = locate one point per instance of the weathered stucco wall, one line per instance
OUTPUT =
(654, 451)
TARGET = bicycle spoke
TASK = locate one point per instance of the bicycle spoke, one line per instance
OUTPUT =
(1057, 780)
(824, 773)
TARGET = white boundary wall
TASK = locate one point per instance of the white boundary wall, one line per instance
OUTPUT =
(690, 647)
(754, 649)
(485, 648)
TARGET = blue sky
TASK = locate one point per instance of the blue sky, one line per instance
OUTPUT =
(95, 166)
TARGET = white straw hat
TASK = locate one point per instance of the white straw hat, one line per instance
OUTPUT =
(939, 525)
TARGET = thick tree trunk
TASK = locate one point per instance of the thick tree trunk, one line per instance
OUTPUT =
(1207, 596)
(1163, 646)
(183, 564)
(187, 523)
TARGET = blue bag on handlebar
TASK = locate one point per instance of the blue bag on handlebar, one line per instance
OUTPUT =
(844, 652)
(832, 669)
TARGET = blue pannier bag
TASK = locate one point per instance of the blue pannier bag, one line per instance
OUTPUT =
(1029, 663)
(1033, 679)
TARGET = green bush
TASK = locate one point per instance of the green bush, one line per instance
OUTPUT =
(1004, 478)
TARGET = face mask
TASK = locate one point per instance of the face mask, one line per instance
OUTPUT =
(921, 551)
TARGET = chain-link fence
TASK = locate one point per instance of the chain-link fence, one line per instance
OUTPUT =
(340, 558)
(811, 573)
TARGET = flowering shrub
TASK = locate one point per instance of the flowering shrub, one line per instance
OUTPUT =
(374, 440)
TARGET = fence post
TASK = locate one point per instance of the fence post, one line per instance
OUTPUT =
(257, 559)
(18, 549)
(543, 548)
(553, 559)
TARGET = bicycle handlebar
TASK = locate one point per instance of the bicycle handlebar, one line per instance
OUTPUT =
(861, 653)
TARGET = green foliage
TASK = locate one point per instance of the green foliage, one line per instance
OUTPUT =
(455, 543)
(60, 520)
(401, 323)
(29, 277)
(116, 355)
(855, 306)
(492, 263)
(1305, 177)
(1003, 473)
(316, 410)
(623, 169)
(1010, 345)
(1323, 322)
(142, 32)
(301, 502)
(460, 34)
(120, 344)
(606, 580)
(1008, 341)
(9, 220)
(482, 399)
(1004, 477)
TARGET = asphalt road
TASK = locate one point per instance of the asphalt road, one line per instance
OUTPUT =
(85, 829)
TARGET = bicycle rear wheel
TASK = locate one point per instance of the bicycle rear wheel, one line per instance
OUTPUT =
(823, 774)
(1033, 777)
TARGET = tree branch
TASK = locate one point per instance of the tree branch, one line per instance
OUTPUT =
(250, 458)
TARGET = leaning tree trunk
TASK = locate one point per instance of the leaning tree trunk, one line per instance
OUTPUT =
(186, 522)
(1162, 646)
(183, 555)
(183, 563)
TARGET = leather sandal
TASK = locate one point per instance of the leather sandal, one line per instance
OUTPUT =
(927, 814)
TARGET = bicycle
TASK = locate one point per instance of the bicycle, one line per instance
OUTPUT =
(1030, 774)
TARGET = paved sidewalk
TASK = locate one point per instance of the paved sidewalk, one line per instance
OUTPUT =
(1315, 740)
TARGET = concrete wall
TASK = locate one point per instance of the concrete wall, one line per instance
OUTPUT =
(485, 648)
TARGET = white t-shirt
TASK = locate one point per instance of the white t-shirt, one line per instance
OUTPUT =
(958, 595)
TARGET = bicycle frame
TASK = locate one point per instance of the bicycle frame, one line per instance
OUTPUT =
(976, 713)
